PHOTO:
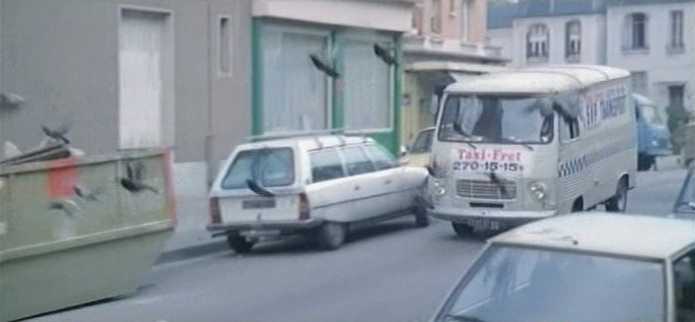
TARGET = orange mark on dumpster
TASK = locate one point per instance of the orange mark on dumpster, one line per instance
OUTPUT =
(169, 186)
(62, 178)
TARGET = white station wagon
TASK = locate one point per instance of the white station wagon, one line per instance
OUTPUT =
(582, 268)
(310, 185)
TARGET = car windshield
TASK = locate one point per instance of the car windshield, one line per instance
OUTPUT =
(652, 115)
(512, 284)
(423, 142)
(267, 167)
(494, 119)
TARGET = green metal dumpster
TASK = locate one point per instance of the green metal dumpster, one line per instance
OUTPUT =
(77, 230)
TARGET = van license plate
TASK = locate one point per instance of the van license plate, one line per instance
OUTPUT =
(484, 224)
(258, 204)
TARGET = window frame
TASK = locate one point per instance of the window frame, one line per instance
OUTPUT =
(343, 154)
(221, 53)
(630, 32)
(538, 50)
(571, 54)
(677, 32)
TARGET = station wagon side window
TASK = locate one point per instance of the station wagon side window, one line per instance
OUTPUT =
(684, 287)
(356, 161)
(381, 158)
(326, 165)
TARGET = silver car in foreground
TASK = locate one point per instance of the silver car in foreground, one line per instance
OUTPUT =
(581, 268)
(318, 186)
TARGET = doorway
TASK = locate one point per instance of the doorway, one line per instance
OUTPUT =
(145, 79)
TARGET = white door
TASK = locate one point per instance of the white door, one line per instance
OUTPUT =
(141, 62)
(361, 185)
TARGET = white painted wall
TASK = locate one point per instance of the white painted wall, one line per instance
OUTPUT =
(593, 46)
(502, 38)
(663, 69)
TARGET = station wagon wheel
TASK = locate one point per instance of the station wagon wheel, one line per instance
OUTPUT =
(331, 235)
(618, 203)
(238, 243)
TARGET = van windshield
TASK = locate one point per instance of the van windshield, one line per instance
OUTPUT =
(495, 119)
(267, 167)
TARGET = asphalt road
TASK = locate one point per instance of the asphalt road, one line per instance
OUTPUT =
(392, 272)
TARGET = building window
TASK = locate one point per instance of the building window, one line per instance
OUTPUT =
(436, 17)
(537, 43)
(368, 83)
(417, 19)
(640, 82)
(465, 20)
(225, 43)
(298, 93)
(676, 43)
(636, 32)
(573, 41)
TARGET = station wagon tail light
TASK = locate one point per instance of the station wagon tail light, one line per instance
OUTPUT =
(304, 207)
(215, 213)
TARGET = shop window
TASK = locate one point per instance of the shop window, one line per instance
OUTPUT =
(368, 82)
(296, 93)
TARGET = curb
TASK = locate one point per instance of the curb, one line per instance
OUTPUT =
(200, 250)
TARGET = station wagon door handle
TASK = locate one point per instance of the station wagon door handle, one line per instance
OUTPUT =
(388, 181)
(357, 188)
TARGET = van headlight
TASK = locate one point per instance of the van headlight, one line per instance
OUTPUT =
(439, 189)
(538, 190)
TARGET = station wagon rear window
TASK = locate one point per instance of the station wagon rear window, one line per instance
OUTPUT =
(267, 167)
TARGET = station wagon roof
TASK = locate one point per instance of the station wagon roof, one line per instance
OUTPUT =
(627, 235)
(309, 142)
(539, 80)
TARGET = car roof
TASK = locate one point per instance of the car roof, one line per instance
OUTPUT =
(618, 234)
(308, 142)
(538, 80)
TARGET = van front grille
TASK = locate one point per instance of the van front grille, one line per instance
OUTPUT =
(483, 189)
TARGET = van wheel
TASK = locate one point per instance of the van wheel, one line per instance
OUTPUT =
(239, 244)
(618, 203)
(644, 162)
(421, 218)
(332, 235)
(462, 230)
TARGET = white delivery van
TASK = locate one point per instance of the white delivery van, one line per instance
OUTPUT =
(515, 146)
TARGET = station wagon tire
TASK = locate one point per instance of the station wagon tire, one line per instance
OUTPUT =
(239, 244)
(644, 162)
(618, 202)
(462, 230)
(332, 235)
(421, 218)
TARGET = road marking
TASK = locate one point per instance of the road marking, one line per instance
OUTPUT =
(3, 228)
